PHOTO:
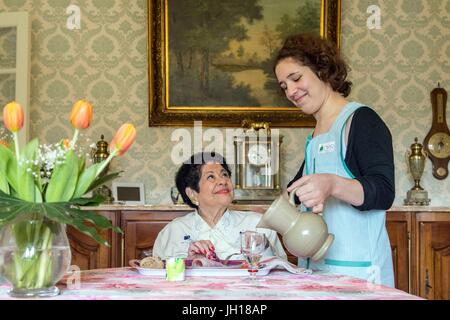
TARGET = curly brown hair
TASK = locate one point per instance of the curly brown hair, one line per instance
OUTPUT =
(321, 56)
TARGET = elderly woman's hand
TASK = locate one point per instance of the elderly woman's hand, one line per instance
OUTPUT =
(201, 247)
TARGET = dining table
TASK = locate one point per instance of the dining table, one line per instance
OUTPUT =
(127, 284)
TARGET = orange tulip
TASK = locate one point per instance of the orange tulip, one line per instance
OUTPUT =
(13, 116)
(81, 115)
(123, 139)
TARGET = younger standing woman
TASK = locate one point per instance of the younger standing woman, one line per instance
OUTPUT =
(348, 169)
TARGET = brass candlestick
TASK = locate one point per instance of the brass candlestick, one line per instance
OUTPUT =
(415, 158)
(98, 155)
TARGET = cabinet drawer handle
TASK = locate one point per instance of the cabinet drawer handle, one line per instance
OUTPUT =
(427, 283)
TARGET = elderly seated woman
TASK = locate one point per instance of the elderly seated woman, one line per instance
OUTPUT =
(212, 229)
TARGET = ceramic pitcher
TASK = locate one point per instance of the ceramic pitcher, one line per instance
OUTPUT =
(305, 234)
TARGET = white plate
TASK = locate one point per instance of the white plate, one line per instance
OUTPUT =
(232, 271)
(223, 272)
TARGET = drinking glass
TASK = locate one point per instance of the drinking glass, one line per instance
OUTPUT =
(253, 245)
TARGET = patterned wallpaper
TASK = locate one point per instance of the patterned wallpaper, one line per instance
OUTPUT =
(393, 69)
(7, 60)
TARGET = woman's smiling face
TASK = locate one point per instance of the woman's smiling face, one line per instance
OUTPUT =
(215, 186)
(301, 85)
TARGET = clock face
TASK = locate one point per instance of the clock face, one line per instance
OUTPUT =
(439, 145)
(258, 154)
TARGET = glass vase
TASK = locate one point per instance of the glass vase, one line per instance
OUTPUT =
(36, 254)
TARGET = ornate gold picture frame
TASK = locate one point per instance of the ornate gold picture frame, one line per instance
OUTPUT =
(209, 61)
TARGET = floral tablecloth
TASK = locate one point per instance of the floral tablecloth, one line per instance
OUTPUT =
(128, 284)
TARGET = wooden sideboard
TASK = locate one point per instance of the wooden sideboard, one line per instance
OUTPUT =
(88, 254)
(420, 243)
(419, 236)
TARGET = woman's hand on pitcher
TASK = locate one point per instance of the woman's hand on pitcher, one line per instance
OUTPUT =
(313, 190)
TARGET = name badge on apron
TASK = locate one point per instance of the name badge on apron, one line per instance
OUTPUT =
(326, 147)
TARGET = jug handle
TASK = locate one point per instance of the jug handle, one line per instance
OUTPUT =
(292, 195)
(292, 201)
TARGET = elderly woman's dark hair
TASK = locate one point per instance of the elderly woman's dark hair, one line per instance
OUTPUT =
(321, 56)
(191, 170)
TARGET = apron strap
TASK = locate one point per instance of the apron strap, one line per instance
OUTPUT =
(345, 263)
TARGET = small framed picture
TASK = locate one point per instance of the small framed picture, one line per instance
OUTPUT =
(128, 192)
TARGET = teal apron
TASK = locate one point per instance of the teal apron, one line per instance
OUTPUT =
(361, 246)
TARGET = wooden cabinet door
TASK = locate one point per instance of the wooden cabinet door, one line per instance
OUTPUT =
(434, 255)
(88, 254)
(141, 229)
(398, 225)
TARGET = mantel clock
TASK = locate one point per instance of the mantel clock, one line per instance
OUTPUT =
(257, 164)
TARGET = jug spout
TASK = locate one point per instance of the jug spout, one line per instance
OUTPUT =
(280, 216)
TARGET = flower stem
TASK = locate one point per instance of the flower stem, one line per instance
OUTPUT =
(18, 271)
(16, 145)
(74, 139)
(105, 163)
(44, 258)
(32, 260)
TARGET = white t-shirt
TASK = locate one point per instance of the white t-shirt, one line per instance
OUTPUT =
(174, 239)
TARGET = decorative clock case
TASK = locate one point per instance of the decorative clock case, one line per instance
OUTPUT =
(257, 164)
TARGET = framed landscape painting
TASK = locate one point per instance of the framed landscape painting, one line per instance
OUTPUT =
(211, 61)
